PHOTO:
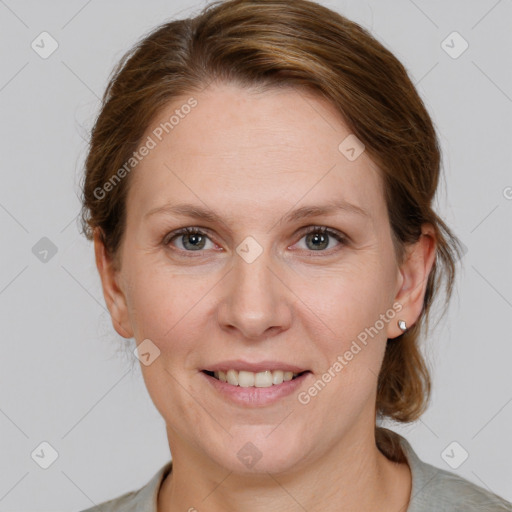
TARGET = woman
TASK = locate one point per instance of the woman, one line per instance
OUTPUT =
(259, 190)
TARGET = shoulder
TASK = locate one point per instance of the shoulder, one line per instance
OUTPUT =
(437, 489)
(447, 491)
(127, 502)
(141, 500)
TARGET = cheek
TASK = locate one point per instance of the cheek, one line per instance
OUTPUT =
(350, 339)
(153, 303)
(162, 306)
(347, 301)
(341, 313)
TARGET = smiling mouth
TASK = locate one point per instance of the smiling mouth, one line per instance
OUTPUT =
(251, 379)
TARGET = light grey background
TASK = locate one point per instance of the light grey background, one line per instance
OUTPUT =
(64, 378)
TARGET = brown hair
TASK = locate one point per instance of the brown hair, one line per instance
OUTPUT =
(297, 43)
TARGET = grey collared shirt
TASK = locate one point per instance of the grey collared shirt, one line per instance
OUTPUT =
(433, 490)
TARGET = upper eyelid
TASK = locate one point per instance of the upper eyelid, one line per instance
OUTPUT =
(208, 231)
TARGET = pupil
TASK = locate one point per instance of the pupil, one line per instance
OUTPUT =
(194, 238)
(319, 237)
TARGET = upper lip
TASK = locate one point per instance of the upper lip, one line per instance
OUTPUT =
(240, 365)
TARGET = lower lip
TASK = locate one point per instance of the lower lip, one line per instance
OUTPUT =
(256, 397)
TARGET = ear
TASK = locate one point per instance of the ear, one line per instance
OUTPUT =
(113, 294)
(413, 278)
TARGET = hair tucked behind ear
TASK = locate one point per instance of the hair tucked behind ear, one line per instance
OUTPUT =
(282, 43)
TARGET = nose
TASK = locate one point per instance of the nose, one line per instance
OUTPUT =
(256, 300)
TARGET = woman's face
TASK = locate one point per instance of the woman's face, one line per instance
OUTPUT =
(254, 286)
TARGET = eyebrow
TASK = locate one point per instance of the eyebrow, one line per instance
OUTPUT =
(199, 212)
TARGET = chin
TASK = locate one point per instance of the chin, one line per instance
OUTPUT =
(260, 453)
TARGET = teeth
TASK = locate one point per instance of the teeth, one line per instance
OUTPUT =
(246, 379)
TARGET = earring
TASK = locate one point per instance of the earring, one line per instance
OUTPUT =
(402, 325)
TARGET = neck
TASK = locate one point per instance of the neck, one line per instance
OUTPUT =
(353, 476)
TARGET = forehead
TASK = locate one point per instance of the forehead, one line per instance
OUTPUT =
(261, 149)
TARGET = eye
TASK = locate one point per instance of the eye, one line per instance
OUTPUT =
(195, 240)
(317, 238)
(192, 239)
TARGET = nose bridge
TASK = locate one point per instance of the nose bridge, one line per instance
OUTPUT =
(253, 277)
(255, 299)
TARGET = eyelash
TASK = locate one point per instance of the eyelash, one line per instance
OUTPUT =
(311, 229)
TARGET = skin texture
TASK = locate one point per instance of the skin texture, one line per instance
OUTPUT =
(252, 157)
